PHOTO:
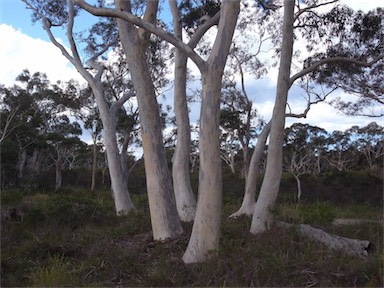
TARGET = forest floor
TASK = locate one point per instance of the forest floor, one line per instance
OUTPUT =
(73, 238)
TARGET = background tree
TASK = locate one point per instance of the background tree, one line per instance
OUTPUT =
(303, 21)
(303, 146)
(63, 14)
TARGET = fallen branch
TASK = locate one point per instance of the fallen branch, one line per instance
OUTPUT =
(348, 221)
(354, 247)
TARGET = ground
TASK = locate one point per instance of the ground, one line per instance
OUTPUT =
(73, 238)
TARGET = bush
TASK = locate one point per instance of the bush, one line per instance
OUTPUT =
(57, 273)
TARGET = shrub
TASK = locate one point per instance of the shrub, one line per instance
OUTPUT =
(57, 272)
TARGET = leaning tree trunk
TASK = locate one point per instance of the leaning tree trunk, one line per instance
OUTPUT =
(206, 227)
(164, 218)
(249, 200)
(185, 199)
(298, 182)
(262, 218)
(123, 202)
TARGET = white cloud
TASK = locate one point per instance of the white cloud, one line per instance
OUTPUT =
(21, 51)
(364, 5)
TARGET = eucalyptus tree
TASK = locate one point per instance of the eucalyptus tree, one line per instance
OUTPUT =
(206, 229)
(61, 136)
(370, 142)
(329, 29)
(63, 14)
(364, 83)
(303, 147)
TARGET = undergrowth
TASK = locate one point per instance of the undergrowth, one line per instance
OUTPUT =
(73, 238)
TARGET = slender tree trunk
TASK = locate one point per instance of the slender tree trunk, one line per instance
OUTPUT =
(298, 187)
(122, 199)
(246, 160)
(94, 164)
(206, 227)
(249, 200)
(262, 218)
(22, 162)
(185, 199)
(164, 218)
(59, 176)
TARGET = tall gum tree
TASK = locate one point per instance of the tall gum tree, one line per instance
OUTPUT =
(164, 217)
(206, 228)
(185, 199)
(123, 202)
(270, 187)
(357, 59)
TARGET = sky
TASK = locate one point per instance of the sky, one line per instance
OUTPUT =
(26, 46)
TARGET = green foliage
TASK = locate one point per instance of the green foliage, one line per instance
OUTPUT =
(317, 213)
(90, 246)
(57, 273)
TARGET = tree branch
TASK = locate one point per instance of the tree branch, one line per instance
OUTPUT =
(332, 60)
(124, 15)
(118, 103)
(301, 11)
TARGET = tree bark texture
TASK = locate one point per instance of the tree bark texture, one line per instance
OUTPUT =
(353, 247)
(59, 177)
(206, 228)
(249, 200)
(164, 218)
(262, 218)
(94, 164)
(123, 202)
(185, 199)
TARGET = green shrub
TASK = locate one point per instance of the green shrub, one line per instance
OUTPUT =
(57, 272)
(317, 214)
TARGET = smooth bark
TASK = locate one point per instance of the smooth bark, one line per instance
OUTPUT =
(185, 199)
(249, 200)
(164, 218)
(206, 228)
(353, 247)
(262, 218)
(94, 164)
(121, 196)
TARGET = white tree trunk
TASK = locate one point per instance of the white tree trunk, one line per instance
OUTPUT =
(164, 218)
(353, 247)
(59, 177)
(94, 164)
(298, 187)
(262, 218)
(121, 197)
(249, 200)
(185, 199)
(206, 227)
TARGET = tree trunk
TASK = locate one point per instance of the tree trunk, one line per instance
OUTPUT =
(59, 176)
(262, 218)
(124, 157)
(298, 187)
(22, 162)
(185, 199)
(249, 200)
(206, 227)
(94, 164)
(121, 197)
(164, 218)
(353, 247)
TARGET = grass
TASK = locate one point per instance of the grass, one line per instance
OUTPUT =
(73, 238)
